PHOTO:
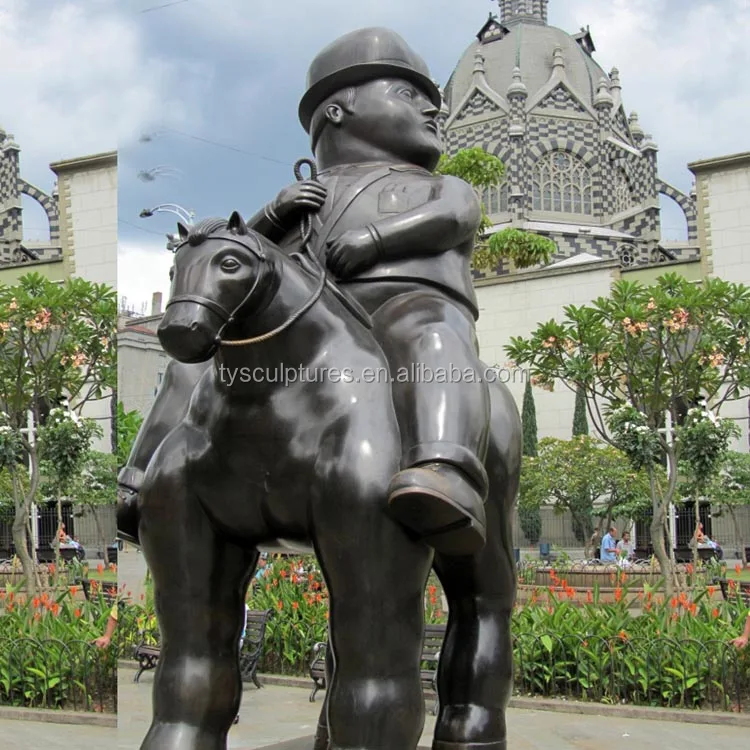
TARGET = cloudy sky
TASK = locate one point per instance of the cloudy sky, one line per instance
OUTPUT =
(200, 96)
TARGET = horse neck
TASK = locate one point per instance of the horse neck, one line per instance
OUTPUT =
(295, 346)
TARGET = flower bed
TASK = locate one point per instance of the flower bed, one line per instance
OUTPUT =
(47, 659)
(634, 646)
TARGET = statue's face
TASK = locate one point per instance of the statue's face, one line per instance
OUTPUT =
(393, 115)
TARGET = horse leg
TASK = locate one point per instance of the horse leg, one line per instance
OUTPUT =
(475, 674)
(376, 585)
(321, 732)
(200, 582)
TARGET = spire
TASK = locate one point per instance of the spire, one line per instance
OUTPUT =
(517, 87)
(523, 11)
(603, 98)
(558, 61)
(478, 63)
(615, 88)
(635, 128)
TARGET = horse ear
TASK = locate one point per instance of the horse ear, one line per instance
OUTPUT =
(237, 223)
(182, 230)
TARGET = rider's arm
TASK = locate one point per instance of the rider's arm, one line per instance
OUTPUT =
(267, 223)
(450, 220)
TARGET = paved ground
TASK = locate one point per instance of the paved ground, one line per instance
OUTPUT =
(277, 714)
(32, 735)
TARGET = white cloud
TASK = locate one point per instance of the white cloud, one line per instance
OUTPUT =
(77, 80)
(142, 269)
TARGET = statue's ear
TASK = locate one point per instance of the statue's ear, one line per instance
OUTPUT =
(335, 114)
(237, 223)
(182, 230)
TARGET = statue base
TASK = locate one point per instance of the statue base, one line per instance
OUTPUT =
(304, 743)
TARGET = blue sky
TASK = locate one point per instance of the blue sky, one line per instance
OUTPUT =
(213, 85)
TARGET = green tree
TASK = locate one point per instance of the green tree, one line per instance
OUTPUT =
(580, 421)
(640, 356)
(483, 171)
(127, 425)
(529, 515)
(56, 346)
(730, 491)
(587, 479)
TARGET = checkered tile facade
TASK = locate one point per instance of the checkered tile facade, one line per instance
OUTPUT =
(562, 100)
(12, 186)
(622, 181)
(478, 104)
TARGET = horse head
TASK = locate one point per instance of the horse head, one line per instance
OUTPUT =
(221, 274)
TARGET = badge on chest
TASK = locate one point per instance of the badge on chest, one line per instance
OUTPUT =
(397, 198)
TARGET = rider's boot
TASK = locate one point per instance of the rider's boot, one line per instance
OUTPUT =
(129, 482)
(442, 505)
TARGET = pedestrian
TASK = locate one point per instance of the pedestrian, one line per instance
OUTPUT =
(104, 640)
(742, 641)
(609, 546)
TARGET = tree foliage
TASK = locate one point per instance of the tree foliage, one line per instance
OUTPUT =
(56, 347)
(586, 478)
(644, 357)
(483, 171)
(128, 424)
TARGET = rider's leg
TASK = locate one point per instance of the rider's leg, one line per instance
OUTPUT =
(442, 403)
(199, 589)
(168, 410)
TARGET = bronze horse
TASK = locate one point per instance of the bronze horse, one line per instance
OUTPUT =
(256, 459)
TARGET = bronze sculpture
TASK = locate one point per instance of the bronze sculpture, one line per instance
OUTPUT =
(384, 478)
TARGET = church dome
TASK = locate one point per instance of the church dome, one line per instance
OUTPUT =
(529, 45)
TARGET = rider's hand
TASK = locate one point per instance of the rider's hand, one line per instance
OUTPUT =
(300, 197)
(354, 250)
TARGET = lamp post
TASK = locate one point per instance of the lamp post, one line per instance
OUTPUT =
(169, 208)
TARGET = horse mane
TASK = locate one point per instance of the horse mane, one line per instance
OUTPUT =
(201, 231)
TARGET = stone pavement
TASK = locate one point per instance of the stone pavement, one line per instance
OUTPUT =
(35, 735)
(277, 714)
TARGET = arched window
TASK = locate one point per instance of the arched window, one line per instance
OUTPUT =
(495, 198)
(562, 183)
(623, 198)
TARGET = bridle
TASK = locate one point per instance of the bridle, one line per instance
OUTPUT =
(228, 317)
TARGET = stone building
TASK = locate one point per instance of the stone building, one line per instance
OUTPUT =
(579, 169)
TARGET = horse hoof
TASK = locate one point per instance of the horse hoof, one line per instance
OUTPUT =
(441, 506)
(499, 745)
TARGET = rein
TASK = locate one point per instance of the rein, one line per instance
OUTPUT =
(306, 227)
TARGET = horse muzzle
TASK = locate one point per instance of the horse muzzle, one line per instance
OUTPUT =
(188, 332)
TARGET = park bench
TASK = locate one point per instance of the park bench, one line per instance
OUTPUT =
(744, 590)
(147, 654)
(431, 645)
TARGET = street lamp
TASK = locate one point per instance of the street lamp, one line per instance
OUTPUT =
(169, 208)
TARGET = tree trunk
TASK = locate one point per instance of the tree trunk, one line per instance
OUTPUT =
(657, 537)
(20, 537)
(58, 541)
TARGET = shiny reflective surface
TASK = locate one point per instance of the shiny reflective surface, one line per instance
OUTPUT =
(289, 439)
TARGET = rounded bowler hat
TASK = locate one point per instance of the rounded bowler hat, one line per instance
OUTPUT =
(361, 56)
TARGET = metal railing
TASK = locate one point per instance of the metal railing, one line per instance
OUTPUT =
(50, 673)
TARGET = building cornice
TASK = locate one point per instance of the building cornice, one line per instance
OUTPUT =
(720, 162)
(93, 161)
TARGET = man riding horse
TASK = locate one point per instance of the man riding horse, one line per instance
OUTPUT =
(398, 239)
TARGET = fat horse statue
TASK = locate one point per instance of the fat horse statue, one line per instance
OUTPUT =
(383, 477)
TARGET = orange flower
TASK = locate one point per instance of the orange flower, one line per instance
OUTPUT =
(279, 605)
(55, 609)
(689, 569)
(693, 608)
(77, 613)
(648, 606)
(674, 602)
(432, 590)
(618, 594)
(589, 598)
(45, 597)
(35, 602)
(37, 616)
(327, 615)
(738, 568)
(11, 596)
(711, 590)
(73, 590)
(714, 612)
(51, 569)
(142, 597)
(623, 635)
(100, 568)
(318, 598)
(283, 574)
(295, 605)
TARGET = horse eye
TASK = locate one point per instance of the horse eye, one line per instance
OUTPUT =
(230, 265)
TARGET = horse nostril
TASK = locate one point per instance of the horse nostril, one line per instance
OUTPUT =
(194, 326)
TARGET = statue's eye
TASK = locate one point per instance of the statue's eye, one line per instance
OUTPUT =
(407, 93)
(171, 274)
(230, 265)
